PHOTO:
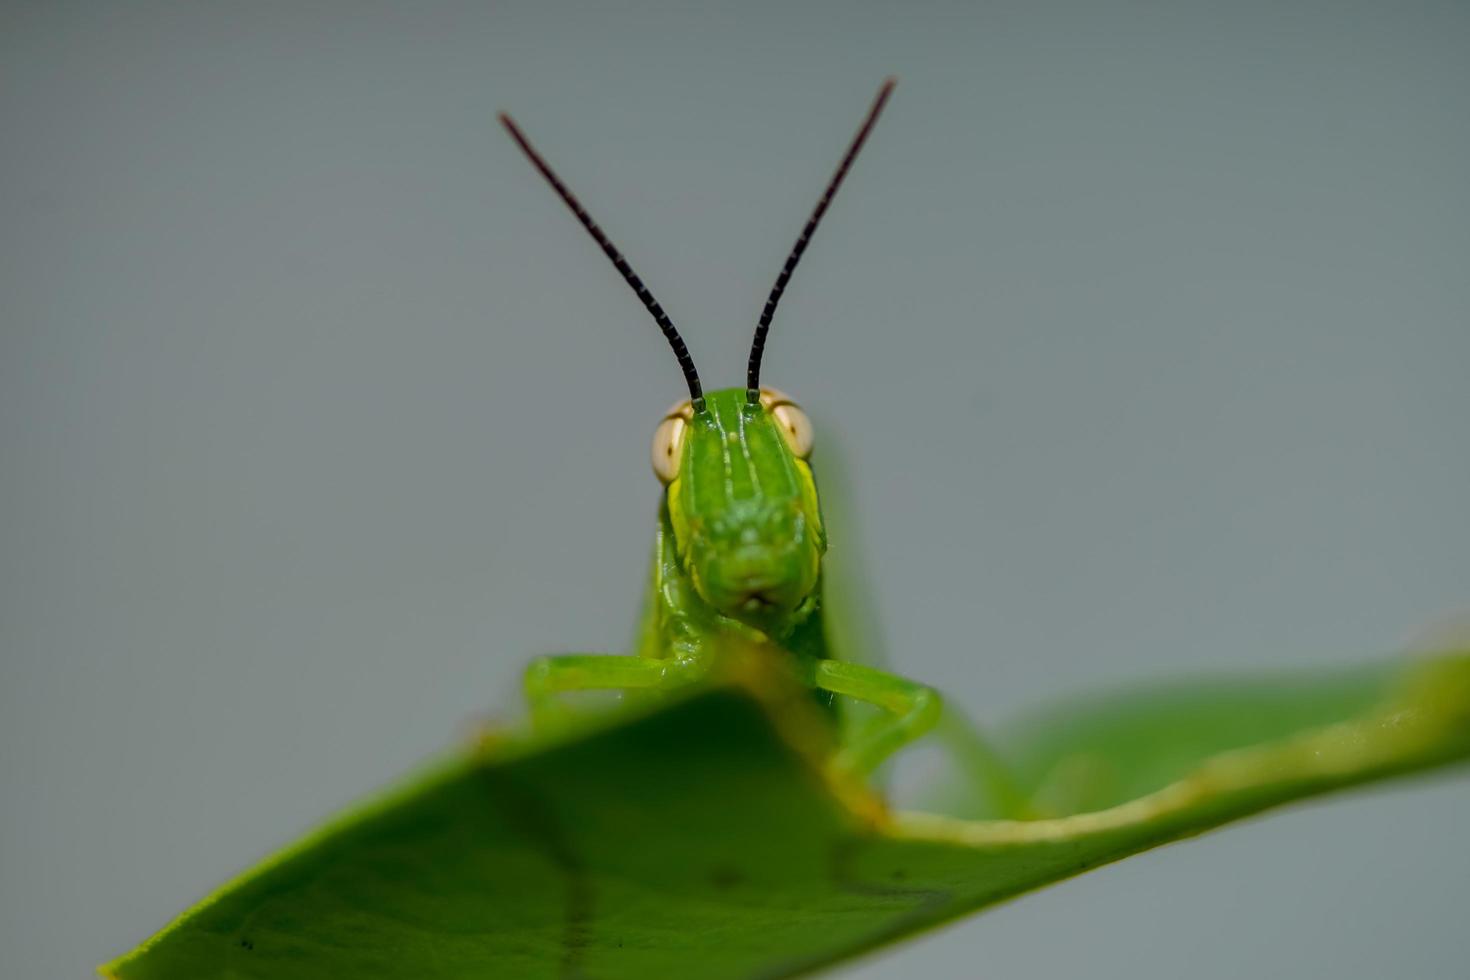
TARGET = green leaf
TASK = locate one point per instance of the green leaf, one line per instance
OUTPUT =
(704, 837)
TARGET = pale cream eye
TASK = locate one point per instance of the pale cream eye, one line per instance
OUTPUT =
(796, 427)
(668, 442)
(791, 420)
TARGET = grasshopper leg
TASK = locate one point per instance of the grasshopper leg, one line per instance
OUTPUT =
(548, 677)
(913, 709)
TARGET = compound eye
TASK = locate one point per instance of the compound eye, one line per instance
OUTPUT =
(668, 443)
(796, 427)
(791, 420)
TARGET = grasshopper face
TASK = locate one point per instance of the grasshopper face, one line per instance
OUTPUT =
(743, 504)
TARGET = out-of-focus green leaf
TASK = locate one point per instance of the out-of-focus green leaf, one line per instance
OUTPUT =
(703, 836)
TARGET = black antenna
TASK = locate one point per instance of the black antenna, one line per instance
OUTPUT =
(686, 363)
(758, 345)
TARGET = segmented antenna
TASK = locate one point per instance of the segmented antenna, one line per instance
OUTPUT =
(758, 345)
(686, 363)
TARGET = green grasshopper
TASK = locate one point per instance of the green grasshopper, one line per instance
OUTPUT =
(739, 549)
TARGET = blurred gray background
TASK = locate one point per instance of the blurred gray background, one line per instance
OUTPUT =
(1143, 327)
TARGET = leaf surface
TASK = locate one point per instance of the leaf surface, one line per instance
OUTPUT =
(702, 836)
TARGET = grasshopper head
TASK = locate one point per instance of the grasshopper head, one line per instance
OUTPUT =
(743, 503)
